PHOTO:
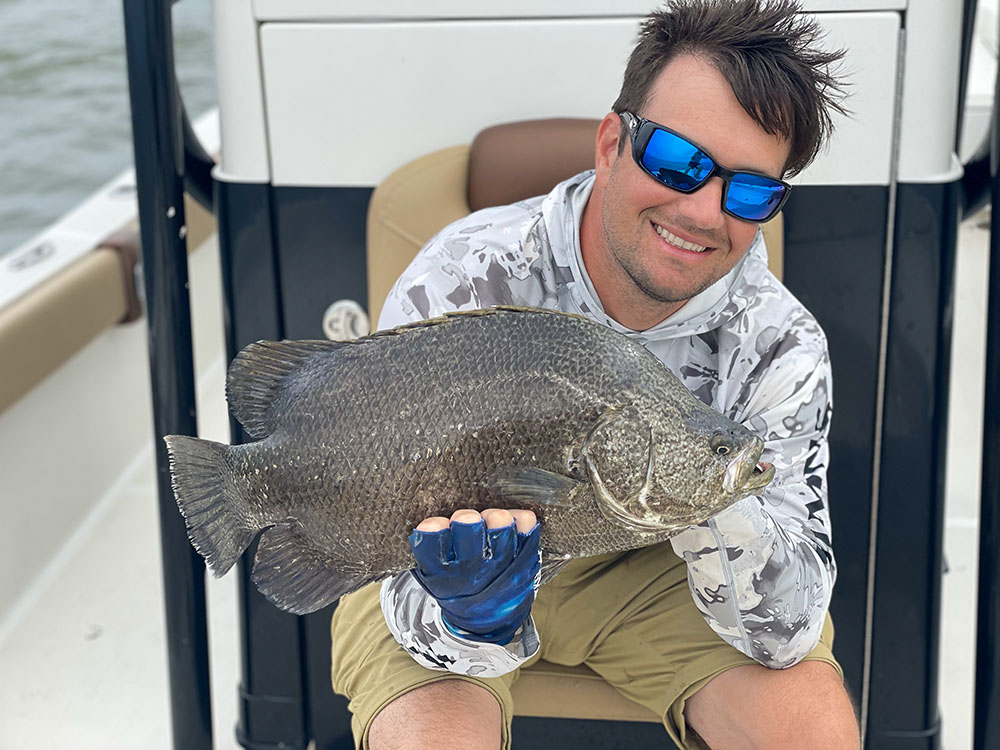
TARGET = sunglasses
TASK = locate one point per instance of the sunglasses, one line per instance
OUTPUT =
(673, 160)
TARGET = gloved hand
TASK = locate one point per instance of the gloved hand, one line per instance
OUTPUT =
(483, 578)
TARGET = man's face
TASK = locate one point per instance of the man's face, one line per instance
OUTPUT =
(639, 250)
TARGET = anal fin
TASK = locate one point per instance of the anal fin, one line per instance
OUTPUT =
(297, 577)
(550, 567)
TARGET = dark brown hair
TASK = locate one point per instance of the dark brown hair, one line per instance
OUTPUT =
(767, 50)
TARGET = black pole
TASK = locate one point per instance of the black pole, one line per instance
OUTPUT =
(976, 178)
(986, 734)
(969, 8)
(159, 165)
(198, 164)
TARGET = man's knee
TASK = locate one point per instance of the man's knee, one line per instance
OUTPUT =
(445, 714)
(755, 707)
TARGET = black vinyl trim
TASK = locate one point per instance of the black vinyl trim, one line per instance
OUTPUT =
(903, 710)
(535, 733)
(321, 233)
(272, 694)
(834, 260)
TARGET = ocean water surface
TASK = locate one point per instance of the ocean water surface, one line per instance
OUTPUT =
(65, 122)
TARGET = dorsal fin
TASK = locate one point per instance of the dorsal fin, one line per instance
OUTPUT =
(257, 373)
(256, 376)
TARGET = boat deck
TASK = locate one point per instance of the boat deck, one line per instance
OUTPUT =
(82, 654)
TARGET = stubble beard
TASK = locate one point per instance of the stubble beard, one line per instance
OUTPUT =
(633, 277)
(626, 257)
(641, 281)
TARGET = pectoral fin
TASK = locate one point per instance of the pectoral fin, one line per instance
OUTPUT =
(523, 486)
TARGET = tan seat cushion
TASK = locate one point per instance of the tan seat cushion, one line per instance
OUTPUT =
(518, 160)
(406, 210)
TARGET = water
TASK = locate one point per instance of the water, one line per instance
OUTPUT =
(65, 122)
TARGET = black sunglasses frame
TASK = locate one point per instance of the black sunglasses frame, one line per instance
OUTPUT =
(640, 131)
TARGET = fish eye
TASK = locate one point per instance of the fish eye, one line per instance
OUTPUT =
(721, 444)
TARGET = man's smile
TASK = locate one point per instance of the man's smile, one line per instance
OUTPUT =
(679, 242)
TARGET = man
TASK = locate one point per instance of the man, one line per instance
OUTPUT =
(722, 631)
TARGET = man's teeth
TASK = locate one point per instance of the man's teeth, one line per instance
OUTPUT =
(673, 239)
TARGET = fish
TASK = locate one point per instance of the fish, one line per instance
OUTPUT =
(355, 442)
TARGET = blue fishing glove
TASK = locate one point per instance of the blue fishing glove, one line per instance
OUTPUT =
(484, 579)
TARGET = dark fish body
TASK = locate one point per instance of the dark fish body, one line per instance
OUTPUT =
(357, 442)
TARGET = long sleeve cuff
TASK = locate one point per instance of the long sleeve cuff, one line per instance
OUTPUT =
(414, 619)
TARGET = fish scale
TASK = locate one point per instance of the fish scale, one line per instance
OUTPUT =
(357, 442)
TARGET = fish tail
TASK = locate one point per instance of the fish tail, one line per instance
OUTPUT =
(217, 516)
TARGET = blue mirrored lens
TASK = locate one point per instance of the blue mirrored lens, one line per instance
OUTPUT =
(675, 162)
(753, 197)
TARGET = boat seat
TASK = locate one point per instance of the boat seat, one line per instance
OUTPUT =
(503, 164)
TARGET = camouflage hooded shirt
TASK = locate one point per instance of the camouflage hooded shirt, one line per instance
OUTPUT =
(761, 572)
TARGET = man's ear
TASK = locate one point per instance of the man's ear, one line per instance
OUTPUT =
(608, 134)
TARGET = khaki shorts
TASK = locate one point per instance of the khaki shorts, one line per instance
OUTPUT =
(629, 617)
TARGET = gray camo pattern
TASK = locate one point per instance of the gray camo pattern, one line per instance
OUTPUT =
(760, 572)
(421, 632)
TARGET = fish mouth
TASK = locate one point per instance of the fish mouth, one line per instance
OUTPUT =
(747, 474)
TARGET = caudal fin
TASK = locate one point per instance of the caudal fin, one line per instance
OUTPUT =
(217, 516)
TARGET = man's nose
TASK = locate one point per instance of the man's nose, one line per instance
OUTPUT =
(704, 205)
